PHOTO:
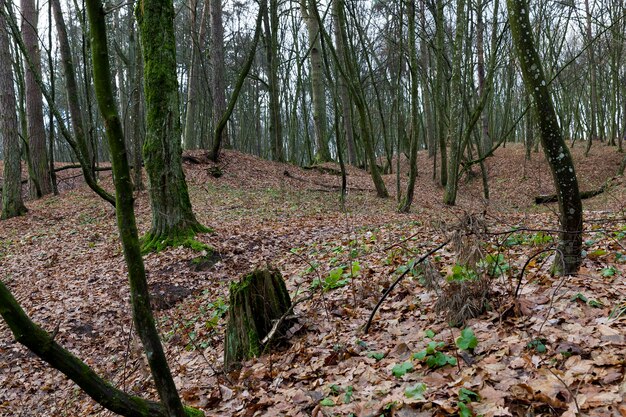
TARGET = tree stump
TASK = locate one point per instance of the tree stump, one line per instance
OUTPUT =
(257, 302)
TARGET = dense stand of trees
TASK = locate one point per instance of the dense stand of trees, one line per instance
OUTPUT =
(404, 76)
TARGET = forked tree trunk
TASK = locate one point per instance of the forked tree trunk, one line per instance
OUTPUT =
(256, 303)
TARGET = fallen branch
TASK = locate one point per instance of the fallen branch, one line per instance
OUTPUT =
(43, 345)
(392, 286)
(552, 198)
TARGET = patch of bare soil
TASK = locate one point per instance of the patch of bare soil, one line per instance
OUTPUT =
(557, 348)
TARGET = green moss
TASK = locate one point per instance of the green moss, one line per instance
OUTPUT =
(254, 344)
(156, 243)
(193, 412)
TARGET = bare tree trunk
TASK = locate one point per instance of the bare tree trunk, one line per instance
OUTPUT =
(440, 94)
(593, 104)
(405, 205)
(12, 204)
(318, 95)
(191, 140)
(270, 19)
(344, 97)
(40, 184)
(568, 257)
(457, 111)
(219, 70)
(487, 141)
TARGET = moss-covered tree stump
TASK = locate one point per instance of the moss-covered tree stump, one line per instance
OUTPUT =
(257, 302)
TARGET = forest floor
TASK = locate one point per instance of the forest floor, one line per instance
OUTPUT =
(557, 348)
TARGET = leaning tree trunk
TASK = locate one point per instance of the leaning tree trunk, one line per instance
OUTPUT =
(568, 256)
(173, 221)
(140, 299)
(12, 204)
(257, 302)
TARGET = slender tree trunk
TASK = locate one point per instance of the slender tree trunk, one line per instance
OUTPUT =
(441, 95)
(34, 104)
(356, 89)
(344, 96)
(405, 205)
(135, 70)
(271, 22)
(191, 140)
(12, 204)
(150, 13)
(426, 92)
(568, 257)
(487, 141)
(457, 112)
(318, 95)
(218, 80)
(593, 104)
(173, 221)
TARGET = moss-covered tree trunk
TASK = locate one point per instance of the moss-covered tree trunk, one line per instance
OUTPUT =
(140, 300)
(12, 203)
(173, 221)
(256, 302)
(568, 256)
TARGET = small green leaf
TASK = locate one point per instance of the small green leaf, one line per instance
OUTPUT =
(609, 271)
(467, 340)
(597, 253)
(348, 396)
(595, 303)
(420, 355)
(464, 410)
(430, 334)
(401, 369)
(327, 402)
(335, 389)
(416, 391)
(376, 355)
(538, 345)
(579, 296)
(468, 396)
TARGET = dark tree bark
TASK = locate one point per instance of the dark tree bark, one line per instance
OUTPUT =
(12, 204)
(193, 83)
(270, 20)
(218, 78)
(346, 105)
(405, 205)
(568, 257)
(173, 221)
(40, 184)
